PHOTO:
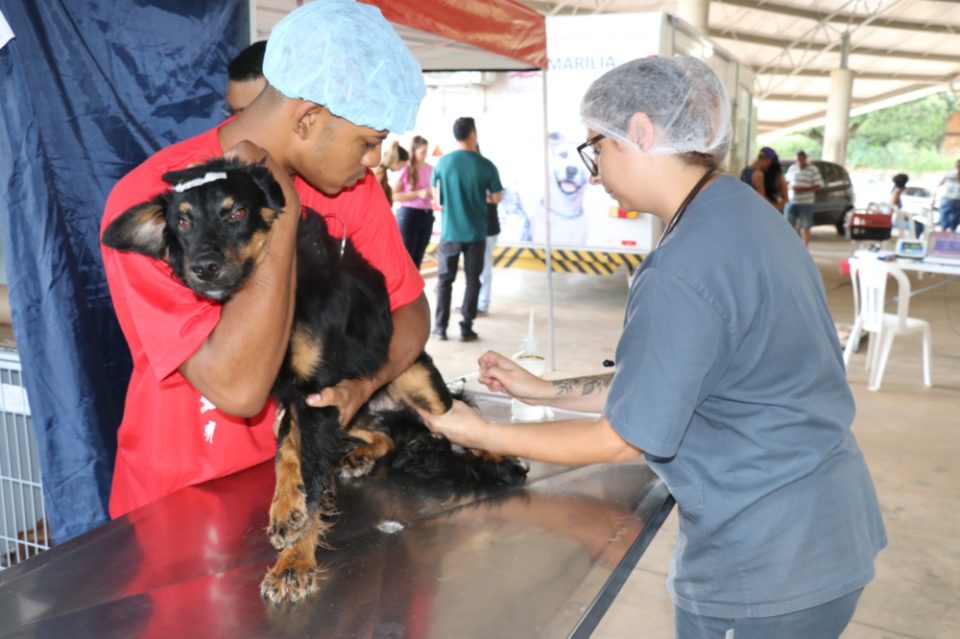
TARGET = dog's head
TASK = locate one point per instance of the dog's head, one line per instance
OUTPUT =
(211, 226)
(567, 171)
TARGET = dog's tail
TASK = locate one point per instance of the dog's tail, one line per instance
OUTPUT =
(422, 455)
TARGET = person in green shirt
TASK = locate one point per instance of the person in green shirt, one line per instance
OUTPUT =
(464, 182)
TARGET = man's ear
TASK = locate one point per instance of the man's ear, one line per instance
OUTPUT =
(140, 229)
(307, 117)
(641, 131)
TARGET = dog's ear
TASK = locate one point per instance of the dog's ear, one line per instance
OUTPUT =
(140, 229)
(271, 188)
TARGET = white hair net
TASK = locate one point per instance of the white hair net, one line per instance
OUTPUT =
(345, 56)
(683, 97)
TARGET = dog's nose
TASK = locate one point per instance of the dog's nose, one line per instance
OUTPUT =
(571, 172)
(206, 268)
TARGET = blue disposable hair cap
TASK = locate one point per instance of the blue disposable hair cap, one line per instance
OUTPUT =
(345, 56)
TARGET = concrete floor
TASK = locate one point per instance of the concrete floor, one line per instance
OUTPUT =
(910, 436)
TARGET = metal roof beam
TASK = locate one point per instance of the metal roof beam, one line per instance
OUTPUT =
(845, 18)
(825, 73)
(773, 125)
(743, 36)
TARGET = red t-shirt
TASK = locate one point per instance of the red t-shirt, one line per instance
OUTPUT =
(171, 436)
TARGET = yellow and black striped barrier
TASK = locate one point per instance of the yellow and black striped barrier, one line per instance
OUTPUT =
(563, 260)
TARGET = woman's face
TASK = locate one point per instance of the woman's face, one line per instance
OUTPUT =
(421, 154)
(616, 171)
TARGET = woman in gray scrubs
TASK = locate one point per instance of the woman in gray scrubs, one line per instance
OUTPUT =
(729, 376)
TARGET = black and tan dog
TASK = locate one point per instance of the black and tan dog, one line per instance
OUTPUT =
(211, 227)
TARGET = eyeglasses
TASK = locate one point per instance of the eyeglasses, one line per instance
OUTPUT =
(589, 154)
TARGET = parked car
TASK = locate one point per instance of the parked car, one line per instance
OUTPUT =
(835, 199)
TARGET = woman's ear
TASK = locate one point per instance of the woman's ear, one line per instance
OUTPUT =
(641, 131)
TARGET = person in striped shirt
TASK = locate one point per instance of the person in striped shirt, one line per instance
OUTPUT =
(804, 180)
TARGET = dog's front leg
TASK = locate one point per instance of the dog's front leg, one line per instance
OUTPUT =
(288, 511)
(295, 575)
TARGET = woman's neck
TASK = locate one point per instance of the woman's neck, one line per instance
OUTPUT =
(677, 179)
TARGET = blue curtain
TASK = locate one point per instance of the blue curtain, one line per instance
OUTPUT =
(89, 89)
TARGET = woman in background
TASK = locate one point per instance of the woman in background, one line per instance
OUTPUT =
(413, 192)
(775, 185)
(394, 158)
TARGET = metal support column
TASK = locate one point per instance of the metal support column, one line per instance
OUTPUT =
(695, 13)
(838, 108)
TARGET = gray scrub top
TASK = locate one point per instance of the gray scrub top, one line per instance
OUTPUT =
(730, 378)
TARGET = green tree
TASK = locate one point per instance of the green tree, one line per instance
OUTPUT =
(905, 137)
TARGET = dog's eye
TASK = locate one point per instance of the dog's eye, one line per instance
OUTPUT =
(185, 223)
(238, 213)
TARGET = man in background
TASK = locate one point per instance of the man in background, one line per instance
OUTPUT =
(245, 77)
(464, 182)
(950, 200)
(804, 180)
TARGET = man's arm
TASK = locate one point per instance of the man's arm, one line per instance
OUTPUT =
(237, 364)
(818, 182)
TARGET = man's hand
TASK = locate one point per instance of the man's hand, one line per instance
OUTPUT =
(347, 396)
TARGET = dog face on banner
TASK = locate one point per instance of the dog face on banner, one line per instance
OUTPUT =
(568, 177)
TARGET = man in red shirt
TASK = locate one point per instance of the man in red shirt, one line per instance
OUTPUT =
(198, 402)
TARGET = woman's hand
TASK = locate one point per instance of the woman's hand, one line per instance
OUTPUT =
(461, 424)
(426, 194)
(502, 375)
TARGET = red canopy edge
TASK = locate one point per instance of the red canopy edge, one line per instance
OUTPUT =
(501, 26)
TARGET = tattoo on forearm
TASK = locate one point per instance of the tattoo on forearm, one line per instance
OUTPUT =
(584, 385)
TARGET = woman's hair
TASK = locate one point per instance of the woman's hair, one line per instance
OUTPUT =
(771, 180)
(413, 173)
(392, 153)
(684, 99)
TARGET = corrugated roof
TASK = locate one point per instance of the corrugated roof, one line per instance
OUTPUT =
(899, 49)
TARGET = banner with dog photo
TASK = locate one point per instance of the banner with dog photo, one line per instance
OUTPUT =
(580, 49)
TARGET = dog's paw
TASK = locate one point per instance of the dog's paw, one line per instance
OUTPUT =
(288, 517)
(291, 584)
(357, 463)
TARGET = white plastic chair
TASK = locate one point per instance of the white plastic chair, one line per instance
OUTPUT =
(869, 279)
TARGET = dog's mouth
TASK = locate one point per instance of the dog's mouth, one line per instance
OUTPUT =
(569, 187)
(218, 288)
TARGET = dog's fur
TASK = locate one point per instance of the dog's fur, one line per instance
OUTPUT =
(213, 235)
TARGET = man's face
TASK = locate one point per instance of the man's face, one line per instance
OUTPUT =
(337, 153)
(802, 160)
(241, 93)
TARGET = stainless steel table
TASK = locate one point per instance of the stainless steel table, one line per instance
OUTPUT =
(542, 560)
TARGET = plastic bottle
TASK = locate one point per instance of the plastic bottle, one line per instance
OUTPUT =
(530, 359)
